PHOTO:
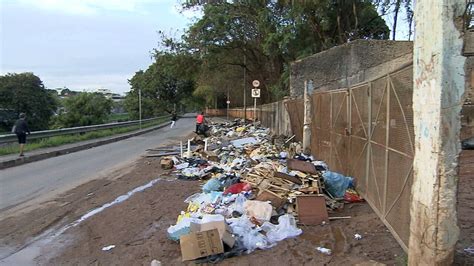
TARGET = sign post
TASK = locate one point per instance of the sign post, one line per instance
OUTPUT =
(255, 95)
(228, 103)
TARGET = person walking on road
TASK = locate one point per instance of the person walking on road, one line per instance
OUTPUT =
(199, 121)
(20, 129)
(173, 119)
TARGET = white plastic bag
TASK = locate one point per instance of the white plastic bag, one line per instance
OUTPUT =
(248, 234)
(286, 228)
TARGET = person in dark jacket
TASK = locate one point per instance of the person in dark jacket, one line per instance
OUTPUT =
(173, 119)
(21, 129)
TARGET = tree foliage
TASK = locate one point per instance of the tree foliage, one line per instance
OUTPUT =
(25, 93)
(84, 109)
(251, 39)
(167, 83)
(394, 8)
(263, 37)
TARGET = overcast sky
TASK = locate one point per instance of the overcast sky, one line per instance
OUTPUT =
(84, 44)
(87, 44)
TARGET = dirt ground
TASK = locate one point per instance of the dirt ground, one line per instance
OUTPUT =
(137, 227)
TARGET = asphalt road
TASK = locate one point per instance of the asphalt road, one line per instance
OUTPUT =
(44, 179)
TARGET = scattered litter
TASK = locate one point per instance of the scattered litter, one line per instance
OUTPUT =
(107, 248)
(469, 250)
(339, 218)
(155, 263)
(326, 251)
(163, 154)
(357, 237)
(256, 190)
(238, 143)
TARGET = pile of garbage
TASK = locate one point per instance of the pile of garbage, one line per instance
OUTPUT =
(257, 189)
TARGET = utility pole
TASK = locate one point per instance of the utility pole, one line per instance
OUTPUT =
(307, 118)
(140, 106)
(228, 103)
(245, 89)
(438, 88)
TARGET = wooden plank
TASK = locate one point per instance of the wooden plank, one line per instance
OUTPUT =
(162, 154)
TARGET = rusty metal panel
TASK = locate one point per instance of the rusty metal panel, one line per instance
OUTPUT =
(367, 132)
(401, 112)
(360, 111)
(358, 162)
(398, 198)
(376, 178)
(311, 209)
(302, 166)
(379, 110)
(340, 122)
(296, 118)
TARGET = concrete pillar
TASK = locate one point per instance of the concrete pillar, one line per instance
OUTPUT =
(307, 119)
(437, 100)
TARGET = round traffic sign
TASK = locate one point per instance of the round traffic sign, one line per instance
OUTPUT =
(256, 83)
(228, 102)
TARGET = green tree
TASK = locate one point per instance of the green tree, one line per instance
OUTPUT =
(263, 37)
(167, 83)
(84, 109)
(25, 93)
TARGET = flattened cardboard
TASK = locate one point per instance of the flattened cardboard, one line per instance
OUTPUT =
(200, 244)
(311, 209)
(301, 166)
(267, 196)
(222, 228)
(290, 178)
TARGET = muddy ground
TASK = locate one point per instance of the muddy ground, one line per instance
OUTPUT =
(137, 227)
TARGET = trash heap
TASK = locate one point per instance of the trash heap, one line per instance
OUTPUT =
(257, 189)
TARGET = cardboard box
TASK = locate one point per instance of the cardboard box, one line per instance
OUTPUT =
(200, 244)
(166, 163)
(311, 209)
(221, 226)
(210, 155)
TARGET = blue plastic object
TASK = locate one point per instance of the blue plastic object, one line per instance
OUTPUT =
(212, 185)
(336, 184)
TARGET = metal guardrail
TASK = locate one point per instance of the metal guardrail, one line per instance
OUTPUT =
(74, 130)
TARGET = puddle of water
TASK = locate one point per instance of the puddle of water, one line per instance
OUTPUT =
(116, 201)
(27, 255)
(340, 240)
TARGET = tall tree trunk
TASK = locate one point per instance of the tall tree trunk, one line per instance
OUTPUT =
(354, 9)
(395, 18)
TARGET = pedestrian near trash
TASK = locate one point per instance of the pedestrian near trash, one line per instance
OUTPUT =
(199, 121)
(173, 119)
(21, 129)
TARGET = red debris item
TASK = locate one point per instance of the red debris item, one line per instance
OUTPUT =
(237, 188)
(352, 196)
(255, 221)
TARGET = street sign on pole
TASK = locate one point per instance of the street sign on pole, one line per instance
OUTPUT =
(256, 83)
(228, 102)
(256, 93)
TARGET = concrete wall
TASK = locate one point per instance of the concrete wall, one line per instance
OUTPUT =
(349, 64)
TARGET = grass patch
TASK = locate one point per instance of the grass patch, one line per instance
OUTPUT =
(118, 118)
(67, 139)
